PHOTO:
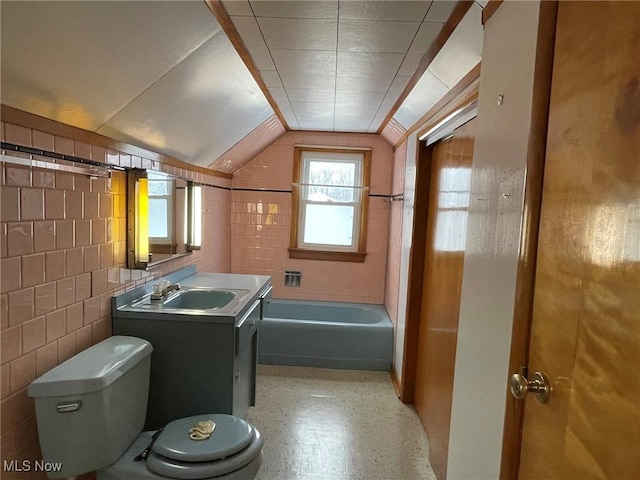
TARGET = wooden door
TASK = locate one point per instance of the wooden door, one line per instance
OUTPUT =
(442, 282)
(586, 312)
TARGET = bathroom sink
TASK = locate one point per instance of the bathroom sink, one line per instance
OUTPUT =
(191, 300)
(201, 299)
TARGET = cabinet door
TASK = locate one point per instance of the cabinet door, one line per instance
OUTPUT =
(244, 365)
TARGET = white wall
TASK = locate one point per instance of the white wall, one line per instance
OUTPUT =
(407, 234)
(493, 242)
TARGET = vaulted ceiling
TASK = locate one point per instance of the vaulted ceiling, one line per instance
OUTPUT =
(164, 74)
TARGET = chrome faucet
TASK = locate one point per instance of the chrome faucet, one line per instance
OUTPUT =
(161, 289)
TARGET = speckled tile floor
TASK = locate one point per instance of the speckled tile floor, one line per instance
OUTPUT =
(321, 424)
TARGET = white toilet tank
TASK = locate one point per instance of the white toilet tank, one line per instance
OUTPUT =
(90, 408)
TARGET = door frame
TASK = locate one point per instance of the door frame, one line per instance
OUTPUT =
(526, 269)
(460, 96)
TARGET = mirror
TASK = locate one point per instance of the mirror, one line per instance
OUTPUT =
(161, 223)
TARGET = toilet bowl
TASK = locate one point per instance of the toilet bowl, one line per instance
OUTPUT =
(90, 411)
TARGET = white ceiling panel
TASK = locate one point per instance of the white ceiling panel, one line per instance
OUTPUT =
(354, 117)
(359, 98)
(219, 108)
(296, 9)
(262, 57)
(427, 33)
(251, 35)
(307, 80)
(356, 110)
(289, 116)
(424, 95)
(395, 90)
(121, 47)
(306, 69)
(379, 10)
(366, 83)
(316, 61)
(320, 125)
(271, 78)
(348, 126)
(314, 115)
(249, 30)
(409, 64)
(305, 95)
(279, 94)
(301, 34)
(384, 65)
(390, 37)
(440, 10)
(464, 45)
(358, 53)
(238, 7)
(304, 110)
(461, 52)
(378, 119)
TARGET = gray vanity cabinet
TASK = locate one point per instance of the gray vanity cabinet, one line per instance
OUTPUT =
(245, 361)
(199, 364)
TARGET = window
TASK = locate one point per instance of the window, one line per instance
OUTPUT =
(330, 198)
(160, 209)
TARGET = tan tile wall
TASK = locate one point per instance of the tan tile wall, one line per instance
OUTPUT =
(62, 258)
(261, 223)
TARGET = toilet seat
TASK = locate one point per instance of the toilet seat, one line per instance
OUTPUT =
(242, 465)
(233, 444)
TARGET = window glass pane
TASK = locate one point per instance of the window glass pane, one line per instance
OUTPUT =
(158, 187)
(331, 173)
(329, 224)
(158, 217)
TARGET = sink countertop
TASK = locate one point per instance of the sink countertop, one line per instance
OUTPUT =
(188, 277)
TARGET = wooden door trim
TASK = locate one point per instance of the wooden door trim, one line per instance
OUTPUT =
(525, 279)
(416, 272)
(490, 9)
(406, 386)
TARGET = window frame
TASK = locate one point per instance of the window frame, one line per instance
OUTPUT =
(169, 239)
(296, 250)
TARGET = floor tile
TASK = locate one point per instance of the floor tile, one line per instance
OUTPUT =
(322, 424)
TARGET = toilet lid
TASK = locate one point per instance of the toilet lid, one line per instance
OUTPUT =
(231, 435)
(170, 468)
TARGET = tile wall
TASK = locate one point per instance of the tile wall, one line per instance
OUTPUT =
(392, 282)
(261, 222)
(63, 251)
(62, 258)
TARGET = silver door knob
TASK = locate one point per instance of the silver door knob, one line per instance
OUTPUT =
(539, 386)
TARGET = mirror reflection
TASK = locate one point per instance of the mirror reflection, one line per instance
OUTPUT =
(161, 221)
(167, 216)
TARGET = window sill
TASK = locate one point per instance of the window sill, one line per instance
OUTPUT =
(305, 254)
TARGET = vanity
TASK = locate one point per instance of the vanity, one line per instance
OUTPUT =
(204, 336)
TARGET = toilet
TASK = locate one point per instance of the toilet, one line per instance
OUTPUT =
(90, 411)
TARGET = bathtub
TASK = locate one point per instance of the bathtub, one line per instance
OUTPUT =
(325, 334)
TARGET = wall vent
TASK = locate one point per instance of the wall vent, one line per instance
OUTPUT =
(292, 278)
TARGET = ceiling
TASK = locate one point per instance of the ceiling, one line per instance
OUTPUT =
(164, 75)
(337, 65)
